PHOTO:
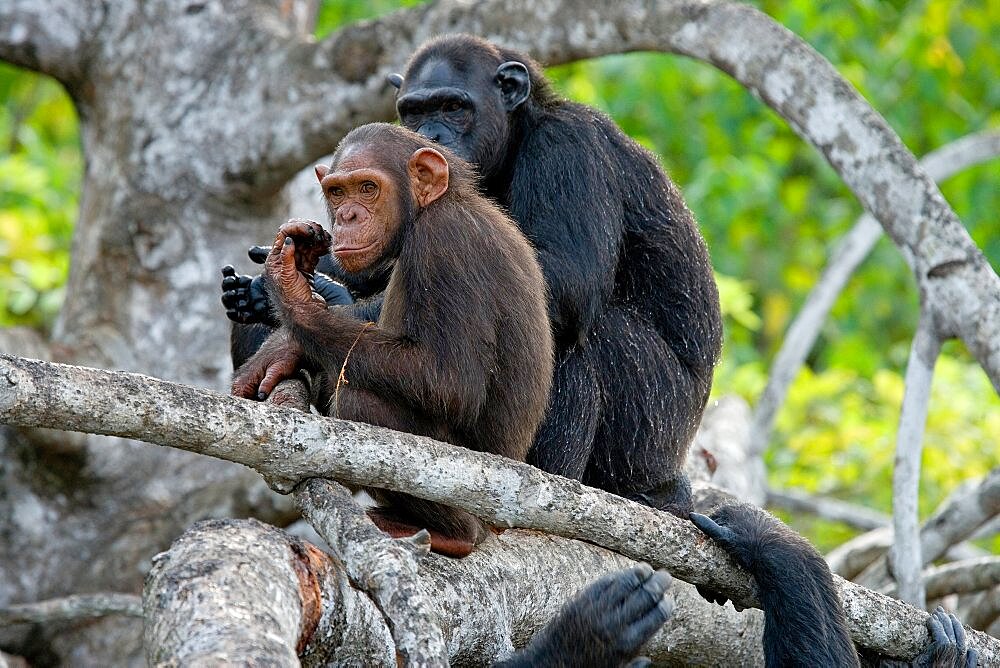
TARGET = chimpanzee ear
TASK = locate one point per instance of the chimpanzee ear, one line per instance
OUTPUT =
(395, 80)
(321, 171)
(428, 175)
(515, 84)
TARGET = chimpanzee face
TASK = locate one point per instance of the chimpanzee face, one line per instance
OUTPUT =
(463, 106)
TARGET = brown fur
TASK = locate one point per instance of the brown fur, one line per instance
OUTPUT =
(462, 350)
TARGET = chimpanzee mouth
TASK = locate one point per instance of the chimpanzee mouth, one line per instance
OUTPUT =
(352, 249)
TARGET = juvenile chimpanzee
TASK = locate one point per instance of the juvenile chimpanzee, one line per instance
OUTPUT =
(804, 623)
(450, 356)
(632, 300)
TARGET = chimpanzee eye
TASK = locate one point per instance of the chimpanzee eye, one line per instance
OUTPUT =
(335, 191)
(449, 107)
(368, 187)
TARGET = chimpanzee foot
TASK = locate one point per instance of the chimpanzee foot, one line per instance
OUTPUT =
(449, 546)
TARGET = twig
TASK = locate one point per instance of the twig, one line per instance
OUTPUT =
(835, 510)
(905, 553)
(78, 606)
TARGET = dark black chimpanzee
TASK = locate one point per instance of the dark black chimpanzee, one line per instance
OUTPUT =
(632, 301)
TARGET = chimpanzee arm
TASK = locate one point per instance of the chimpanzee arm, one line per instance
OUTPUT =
(248, 306)
(804, 623)
(436, 375)
(569, 211)
(604, 626)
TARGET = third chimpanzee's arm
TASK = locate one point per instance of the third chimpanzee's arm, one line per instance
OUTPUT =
(804, 623)
(574, 218)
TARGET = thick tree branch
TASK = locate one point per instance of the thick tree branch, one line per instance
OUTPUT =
(485, 604)
(79, 606)
(849, 253)
(385, 568)
(287, 446)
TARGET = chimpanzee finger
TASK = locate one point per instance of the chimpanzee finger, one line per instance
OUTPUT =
(619, 586)
(959, 632)
(229, 270)
(258, 254)
(936, 630)
(972, 658)
(644, 627)
(715, 531)
(711, 595)
(273, 376)
(646, 597)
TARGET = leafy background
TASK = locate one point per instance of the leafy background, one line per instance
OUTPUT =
(769, 206)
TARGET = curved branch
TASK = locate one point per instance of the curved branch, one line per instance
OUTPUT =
(50, 37)
(287, 446)
(849, 253)
(960, 516)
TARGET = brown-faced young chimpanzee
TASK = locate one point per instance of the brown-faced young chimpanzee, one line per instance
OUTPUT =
(804, 623)
(632, 299)
(450, 356)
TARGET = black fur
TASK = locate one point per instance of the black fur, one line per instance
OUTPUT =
(804, 623)
(632, 299)
(605, 626)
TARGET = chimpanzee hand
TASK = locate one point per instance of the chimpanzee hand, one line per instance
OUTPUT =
(245, 298)
(293, 258)
(605, 625)
(948, 646)
(728, 539)
(278, 359)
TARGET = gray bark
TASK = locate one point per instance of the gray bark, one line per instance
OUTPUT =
(288, 446)
(195, 114)
(486, 604)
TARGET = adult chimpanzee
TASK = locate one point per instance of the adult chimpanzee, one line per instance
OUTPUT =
(632, 300)
(804, 623)
(449, 357)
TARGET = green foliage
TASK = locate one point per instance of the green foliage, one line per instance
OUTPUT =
(40, 169)
(768, 203)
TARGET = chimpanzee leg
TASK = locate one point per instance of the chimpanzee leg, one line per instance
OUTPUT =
(653, 408)
(566, 436)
